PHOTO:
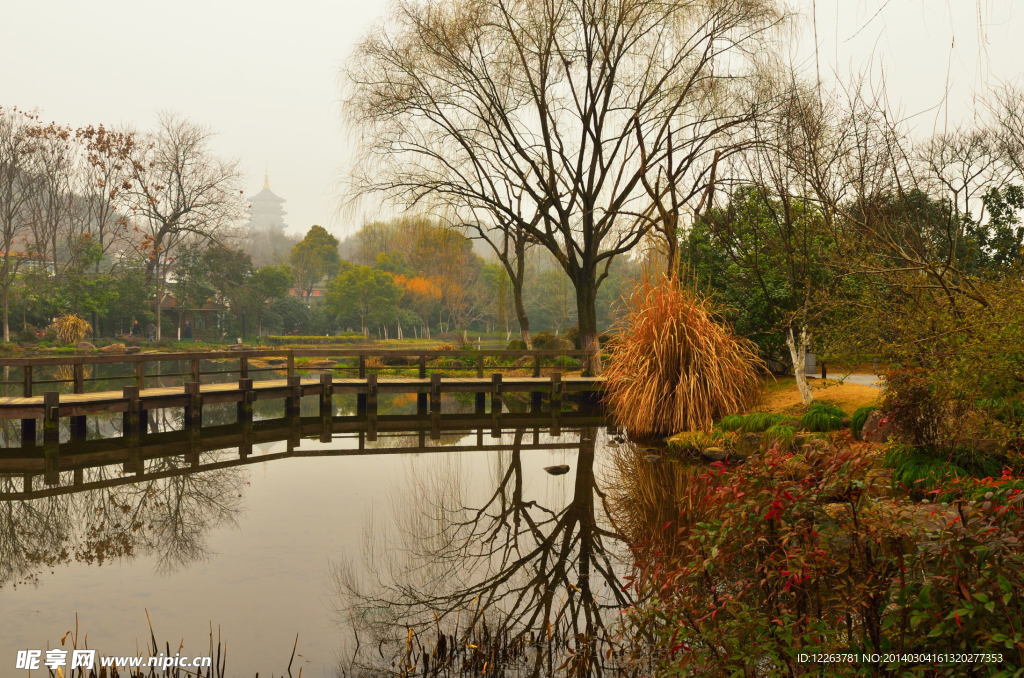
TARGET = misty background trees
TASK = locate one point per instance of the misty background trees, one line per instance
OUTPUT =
(540, 159)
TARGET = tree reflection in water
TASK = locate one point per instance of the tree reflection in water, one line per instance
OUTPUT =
(165, 517)
(502, 584)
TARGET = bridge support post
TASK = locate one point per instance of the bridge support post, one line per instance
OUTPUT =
(556, 403)
(51, 437)
(326, 394)
(78, 422)
(28, 426)
(326, 406)
(28, 432)
(244, 409)
(371, 407)
(480, 406)
(194, 408)
(361, 397)
(496, 401)
(244, 415)
(496, 405)
(130, 420)
(435, 394)
(421, 398)
(293, 402)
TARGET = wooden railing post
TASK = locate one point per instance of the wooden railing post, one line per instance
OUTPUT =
(423, 366)
(536, 365)
(78, 424)
(291, 363)
(243, 367)
(140, 374)
(362, 366)
(195, 371)
(480, 367)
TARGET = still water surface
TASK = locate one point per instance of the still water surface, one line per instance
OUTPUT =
(346, 543)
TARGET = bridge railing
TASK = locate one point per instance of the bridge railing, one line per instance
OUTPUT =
(29, 376)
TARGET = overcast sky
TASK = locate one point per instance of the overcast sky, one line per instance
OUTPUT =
(265, 75)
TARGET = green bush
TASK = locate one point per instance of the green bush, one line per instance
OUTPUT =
(860, 416)
(731, 422)
(567, 362)
(822, 417)
(692, 441)
(759, 422)
(516, 345)
(545, 341)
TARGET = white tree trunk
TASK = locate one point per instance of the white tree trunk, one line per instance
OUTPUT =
(798, 354)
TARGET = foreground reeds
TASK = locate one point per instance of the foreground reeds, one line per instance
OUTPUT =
(674, 367)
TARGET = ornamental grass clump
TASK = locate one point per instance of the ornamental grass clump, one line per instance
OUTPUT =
(70, 329)
(674, 367)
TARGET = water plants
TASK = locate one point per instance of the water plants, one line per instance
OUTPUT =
(673, 366)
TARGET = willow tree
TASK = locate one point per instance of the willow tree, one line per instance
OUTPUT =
(582, 107)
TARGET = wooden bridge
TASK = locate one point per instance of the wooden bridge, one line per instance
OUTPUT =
(190, 447)
(73, 391)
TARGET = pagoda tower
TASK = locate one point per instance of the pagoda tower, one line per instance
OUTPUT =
(266, 212)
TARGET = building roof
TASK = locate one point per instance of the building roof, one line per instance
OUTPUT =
(266, 195)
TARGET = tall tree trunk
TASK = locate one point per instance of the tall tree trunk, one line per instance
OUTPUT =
(798, 354)
(6, 304)
(159, 314)
(586, 314)
(672, 253)
(521, 317)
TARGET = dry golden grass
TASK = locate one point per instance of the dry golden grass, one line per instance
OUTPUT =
(673, 367)
(782, 396)
(70, 329)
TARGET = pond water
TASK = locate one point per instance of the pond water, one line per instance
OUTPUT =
(450, 528)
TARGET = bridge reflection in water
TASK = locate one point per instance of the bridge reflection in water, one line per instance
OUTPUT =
(489, 575)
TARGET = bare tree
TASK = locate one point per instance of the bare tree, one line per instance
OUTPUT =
(103, 181)
(17, 156)
(180, 193)
(473, 101)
